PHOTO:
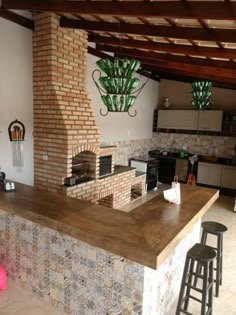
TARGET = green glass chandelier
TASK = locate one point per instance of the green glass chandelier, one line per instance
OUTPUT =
(201, 94)
(118, 87)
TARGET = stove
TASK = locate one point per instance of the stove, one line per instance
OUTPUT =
(147, 165)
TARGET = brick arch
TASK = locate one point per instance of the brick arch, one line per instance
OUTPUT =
(85, 147)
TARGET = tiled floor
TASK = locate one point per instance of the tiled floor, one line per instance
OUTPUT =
(21, 301)
(16, 300)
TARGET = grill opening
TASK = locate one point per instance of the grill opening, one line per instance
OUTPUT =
(105, 165)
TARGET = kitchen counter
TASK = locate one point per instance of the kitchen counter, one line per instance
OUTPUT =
(217, 160)
(202, 158)
(146, 235)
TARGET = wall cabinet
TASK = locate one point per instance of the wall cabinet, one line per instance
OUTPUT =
(229, 124)
(228, 177)
(210, 120)
(177, 119)
(209, 174)
(216, 175)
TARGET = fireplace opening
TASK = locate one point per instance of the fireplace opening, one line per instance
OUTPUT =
(83, 168)
(105, 165)
(106, 201)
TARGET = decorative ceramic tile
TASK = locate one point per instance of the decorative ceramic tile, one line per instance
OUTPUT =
(82, 279)
(196, 144)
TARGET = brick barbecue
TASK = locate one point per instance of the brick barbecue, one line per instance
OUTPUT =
(64, 122)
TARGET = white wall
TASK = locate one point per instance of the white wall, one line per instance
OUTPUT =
(120, 126)
(16, 96)
(179, 94)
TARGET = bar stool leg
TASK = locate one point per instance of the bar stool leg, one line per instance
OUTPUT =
(181, 294)
(189, 283)
(221, 259)
(204, 289)
(218, 265)
(199, 266)
(204, 237)
(211, 282)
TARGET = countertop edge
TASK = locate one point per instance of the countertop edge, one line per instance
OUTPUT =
(179, 237)
(124, 237)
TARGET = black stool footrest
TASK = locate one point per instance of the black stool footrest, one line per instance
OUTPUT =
(193, 287)
(185, 312)
(195, 299)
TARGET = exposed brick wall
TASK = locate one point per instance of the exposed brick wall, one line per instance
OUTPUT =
(63, 117)
(117, 185)
(106, 201)
(64, 124)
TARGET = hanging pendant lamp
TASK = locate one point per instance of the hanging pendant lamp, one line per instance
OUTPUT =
(118, 86)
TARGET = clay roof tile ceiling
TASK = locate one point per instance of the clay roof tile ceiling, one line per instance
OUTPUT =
(182, 40)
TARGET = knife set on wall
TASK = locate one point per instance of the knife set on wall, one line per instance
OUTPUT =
(16, 131)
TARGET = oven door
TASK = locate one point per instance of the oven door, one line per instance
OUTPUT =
(152, 175)
(152, 171)
(166, 170)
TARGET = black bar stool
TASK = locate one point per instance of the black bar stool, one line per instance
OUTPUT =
(204, 255)
(217, 229)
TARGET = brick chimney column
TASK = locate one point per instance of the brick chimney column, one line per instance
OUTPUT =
(63, 117)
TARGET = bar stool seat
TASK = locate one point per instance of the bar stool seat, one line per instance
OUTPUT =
(217, 229)
(214, 227)
(204, 255)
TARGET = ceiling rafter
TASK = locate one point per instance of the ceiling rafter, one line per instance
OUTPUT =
(192, 74)
(167, 57)
(182, 49)
(17, 18)
(203, 71)
(193, 33)
(201, 9)
(203, 24)
(189, 79)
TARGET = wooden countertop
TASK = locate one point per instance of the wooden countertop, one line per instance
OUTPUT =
(146, 235)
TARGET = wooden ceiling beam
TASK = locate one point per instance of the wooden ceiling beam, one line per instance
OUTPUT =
(17, 18)
(188, 79)
(196, 75)
(171, 48)
(204, 71)
(166, 57)
(169, 9)
(193, 33)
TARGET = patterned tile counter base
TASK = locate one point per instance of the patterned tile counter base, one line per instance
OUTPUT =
(84, 280)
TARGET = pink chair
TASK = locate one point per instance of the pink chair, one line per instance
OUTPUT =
(3, 278)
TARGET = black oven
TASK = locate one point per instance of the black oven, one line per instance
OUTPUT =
(152, 174)
(150, 167)
(166, 169)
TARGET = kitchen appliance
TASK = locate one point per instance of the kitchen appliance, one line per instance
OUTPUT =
(105, 165)
(147, 165)
(166, 166)
(166, 170)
